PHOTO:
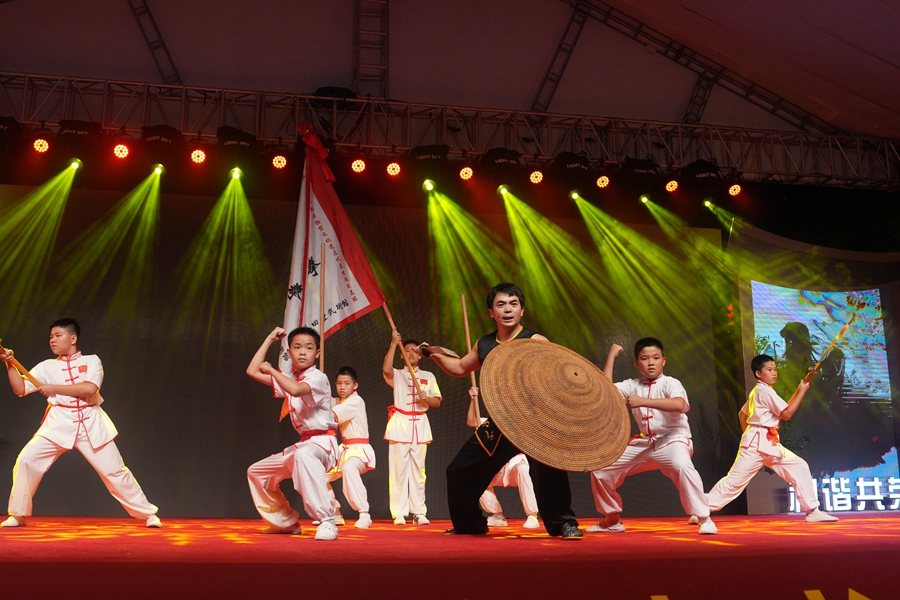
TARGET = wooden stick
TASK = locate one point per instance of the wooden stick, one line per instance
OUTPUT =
(462, 299)
(322, 314)
(412, 373)
(828, 349)
(22, 370)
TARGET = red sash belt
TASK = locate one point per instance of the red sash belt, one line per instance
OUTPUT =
(314, 432)
(410, 413)
(356, 440)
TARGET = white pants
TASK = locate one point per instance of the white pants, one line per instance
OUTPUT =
(354, 490)
(406, 466)
(40, 453)
(518, 476)
(306, 464)
(673, 459)
(789, 467)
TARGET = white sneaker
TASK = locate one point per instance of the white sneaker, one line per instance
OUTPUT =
(707, 527)
(602, 527)
(400, 521)
(694, 520)
(13, 522)
(421, 520)
(532, 522)
(364, 521)
(153, 521)
(497, 521)
(326, 530)
(818, 516)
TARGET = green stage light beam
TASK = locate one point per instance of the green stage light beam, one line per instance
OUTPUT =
(469, 258)
(90, 257)
(29, 231)
(653, 281)
(225, 278)
(560, 274)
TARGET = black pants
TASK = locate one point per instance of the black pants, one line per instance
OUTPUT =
(470, 472)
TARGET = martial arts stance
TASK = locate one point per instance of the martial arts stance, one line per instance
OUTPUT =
(408, 432)
(513, 473)
(355, 453)
(473, 468)
(307, 398)
(73, 419)
(659, 404)
(760, 446)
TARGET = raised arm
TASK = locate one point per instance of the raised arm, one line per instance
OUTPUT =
(794, 402)
(614, 351)
(387, 367)
(254, 369)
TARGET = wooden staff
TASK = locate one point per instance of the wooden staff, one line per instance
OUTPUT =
(828, 349)
(322, 313)
(462, 299)
(22, 370)
(412, 374)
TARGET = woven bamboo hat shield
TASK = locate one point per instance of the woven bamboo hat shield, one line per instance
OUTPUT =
(555, 405)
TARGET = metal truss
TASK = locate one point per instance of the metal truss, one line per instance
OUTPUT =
(380, 127)
(704, 67)
(155, 42)
(560, 59)
(371, 52)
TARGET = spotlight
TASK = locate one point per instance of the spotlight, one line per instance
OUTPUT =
(645, 198)
(671, 186)
(602, 181)
(428, 185)
(734, 190)
(41, 145)
(503, 190)
(707, 204)
(358, 165)
(120, 151)
(536, 177)
(75, 164)
(574, 195)
(236, 173)
(159, 169)
(279, 161)
(198, 156)
(466, 173)
(393, 169)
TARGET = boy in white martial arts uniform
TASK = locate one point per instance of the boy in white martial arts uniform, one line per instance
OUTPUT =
(73, 419)
(307, 398)
(760, 417)
(659, 404)
(355, 454)
(408, 432)
(515, 472)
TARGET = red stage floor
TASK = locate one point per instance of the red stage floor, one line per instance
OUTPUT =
(752, 557)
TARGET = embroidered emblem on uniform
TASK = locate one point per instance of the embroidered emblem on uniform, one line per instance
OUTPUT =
(82, 368)
(488, 436)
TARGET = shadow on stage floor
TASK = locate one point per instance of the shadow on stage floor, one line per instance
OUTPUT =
(767, 557)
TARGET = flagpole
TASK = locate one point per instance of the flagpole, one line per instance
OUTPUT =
(402, 352)
(322, 315)
(462, 299)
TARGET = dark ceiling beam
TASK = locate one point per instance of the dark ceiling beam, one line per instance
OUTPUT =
(706, 67)
(155, 42)
(560, 59)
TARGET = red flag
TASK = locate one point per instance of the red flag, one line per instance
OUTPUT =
(351, 289)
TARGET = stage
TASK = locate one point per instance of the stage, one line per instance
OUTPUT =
(768, 557)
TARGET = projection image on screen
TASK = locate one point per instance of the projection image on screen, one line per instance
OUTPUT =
(844, 428)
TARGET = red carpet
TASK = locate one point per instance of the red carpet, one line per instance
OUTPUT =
(751, 557)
